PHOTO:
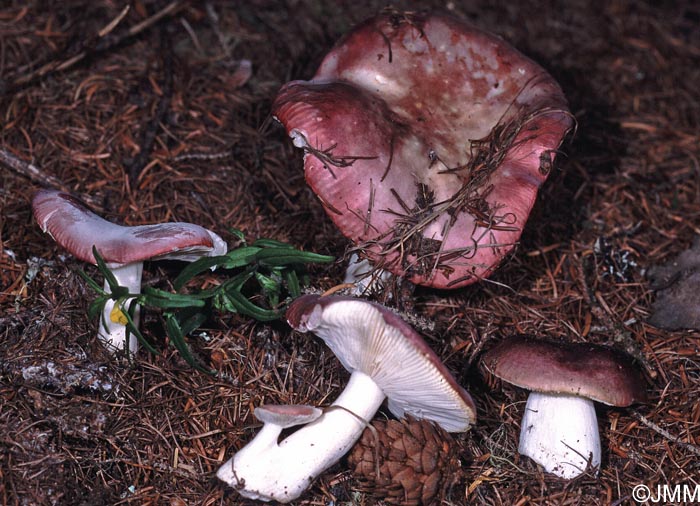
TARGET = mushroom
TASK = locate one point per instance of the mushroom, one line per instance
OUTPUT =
(559, 429)
(77, 229)
(426, 141)
(386, 359)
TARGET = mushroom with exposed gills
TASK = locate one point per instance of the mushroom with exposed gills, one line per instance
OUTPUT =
(124, 249)
(426, 140)
(559, 429)
(387, 359)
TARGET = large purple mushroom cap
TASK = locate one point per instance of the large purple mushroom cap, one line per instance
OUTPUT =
(426, 140)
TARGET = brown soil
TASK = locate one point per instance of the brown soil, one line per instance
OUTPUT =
(153, 122)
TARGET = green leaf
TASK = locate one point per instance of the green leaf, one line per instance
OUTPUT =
(177, 337)
(97, 306)
(267, 283)
(240, 257)
(223, 302)
(193, 322)
(283, 256)
(271, 285)
(131, 326)
(290, 276)
(236, 282)
(91, 282)
(272, 243)
(246, 307)
(114, 287)
(198, 267)
(278, 269)
(239, 234)
(168, 300)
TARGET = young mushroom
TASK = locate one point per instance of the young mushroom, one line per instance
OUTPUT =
(77, 229)
(559, 429)
(426, 141)
(387, 359)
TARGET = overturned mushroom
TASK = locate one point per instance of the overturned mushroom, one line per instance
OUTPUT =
(387, 359)
(559, 429)
(426, 140)
(275, 418)
(124, 249)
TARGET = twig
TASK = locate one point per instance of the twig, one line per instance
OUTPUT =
(35, 174)
(29, 170)
(663, 432)
(113, 24)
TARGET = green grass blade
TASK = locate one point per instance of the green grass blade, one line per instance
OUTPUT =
(246, 307)
(177, 337)
(168, 300)
(280, 257)
(91, 282)
(131, 326)
(198, 267)
(290, 276)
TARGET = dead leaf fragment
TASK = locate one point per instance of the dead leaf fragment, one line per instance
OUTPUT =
(677, 282)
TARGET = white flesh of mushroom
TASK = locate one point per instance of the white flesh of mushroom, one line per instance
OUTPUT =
(267, 470)
(365, 277)
(560, 432)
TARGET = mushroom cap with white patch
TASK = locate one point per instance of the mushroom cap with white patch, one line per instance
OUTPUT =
(77, 229)
(369, 338)
(426, 140)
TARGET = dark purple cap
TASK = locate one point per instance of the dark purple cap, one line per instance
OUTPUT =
(596, 372)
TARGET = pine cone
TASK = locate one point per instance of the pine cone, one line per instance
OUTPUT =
(417, 462)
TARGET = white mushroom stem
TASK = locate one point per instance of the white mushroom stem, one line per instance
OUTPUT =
(266, 470)
(365, 277)
(560, 432)
(112, 328)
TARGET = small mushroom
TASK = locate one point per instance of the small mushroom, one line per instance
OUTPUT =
(77, 229)
(426, 140)
(386, 359)
(559, 429)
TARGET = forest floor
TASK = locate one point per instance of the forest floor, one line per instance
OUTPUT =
(154, 119)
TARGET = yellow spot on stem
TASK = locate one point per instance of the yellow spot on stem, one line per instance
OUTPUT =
(117, 315)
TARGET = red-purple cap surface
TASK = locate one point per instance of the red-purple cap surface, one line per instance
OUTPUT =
(73, 226)
(426, 140)
(596, 372)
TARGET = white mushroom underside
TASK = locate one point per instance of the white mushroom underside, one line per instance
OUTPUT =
(560, 432)
(360, 337)
(265, 470)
